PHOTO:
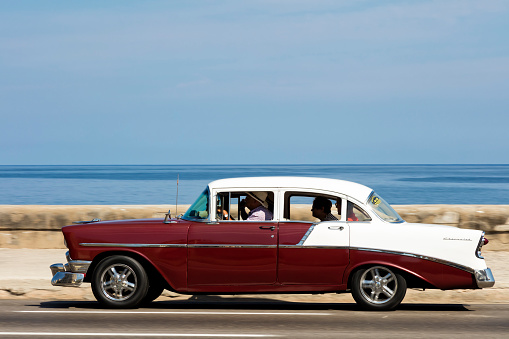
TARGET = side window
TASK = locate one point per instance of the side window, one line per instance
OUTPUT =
(226, 206)
(245, 206)
(310, 207)
(299, 208)
(355, 213)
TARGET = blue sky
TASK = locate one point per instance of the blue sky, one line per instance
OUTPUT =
(254, 82)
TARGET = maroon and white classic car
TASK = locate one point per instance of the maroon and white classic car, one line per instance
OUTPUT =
(297, 235)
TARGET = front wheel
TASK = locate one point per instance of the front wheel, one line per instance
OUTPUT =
(378, 288)
(119, 282)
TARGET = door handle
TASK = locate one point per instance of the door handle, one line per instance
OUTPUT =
(340, 228)
(272, 228)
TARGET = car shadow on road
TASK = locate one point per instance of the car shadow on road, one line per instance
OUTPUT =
(207, 302)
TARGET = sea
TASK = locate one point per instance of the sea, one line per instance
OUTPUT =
(168, 184)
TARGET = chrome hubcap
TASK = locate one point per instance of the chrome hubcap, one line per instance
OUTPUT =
(118, 282)
(378, 285)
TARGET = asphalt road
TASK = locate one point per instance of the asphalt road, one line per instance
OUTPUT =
(249, 319)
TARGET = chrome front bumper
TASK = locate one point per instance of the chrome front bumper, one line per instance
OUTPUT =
(484, 278)
(70, 274)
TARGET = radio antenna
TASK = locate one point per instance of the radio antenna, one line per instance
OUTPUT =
(177, 198)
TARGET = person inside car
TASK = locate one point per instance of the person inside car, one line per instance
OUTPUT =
(350, 214)
(258, 207)
(322, 209)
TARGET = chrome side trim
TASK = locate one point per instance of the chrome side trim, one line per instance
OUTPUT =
(418, 256)
(229, 246)
(320, 247)
(176, 245)
(79, 265)
(484, 278)
(88, 244)
(301, 242)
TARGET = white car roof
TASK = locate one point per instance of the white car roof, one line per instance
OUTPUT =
(352, 189)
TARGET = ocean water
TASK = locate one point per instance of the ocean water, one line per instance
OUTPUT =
(157, 184)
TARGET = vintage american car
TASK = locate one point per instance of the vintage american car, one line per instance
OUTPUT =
(359, 244)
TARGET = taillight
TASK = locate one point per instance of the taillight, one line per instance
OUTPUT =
(482, 241)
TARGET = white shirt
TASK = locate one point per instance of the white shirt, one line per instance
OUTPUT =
(260, 213)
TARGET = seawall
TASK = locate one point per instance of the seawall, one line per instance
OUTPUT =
(38, 226)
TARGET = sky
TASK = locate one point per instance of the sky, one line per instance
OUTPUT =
(254, 82)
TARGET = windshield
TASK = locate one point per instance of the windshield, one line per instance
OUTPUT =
(383, 209)
(200, 209)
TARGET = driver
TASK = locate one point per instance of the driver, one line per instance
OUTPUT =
(258, 207)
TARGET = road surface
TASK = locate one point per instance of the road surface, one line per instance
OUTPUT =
(249, 319)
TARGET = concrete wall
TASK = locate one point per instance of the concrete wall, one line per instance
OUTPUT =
(492, 219)
(38, 226)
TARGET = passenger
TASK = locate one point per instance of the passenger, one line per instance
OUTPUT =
(258, 207)
(225, 214)
(338, 205)
(322, 209)
(350, 213)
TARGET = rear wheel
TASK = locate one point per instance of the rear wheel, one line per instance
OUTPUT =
(120, 282)
(378, 288)
(154, 291)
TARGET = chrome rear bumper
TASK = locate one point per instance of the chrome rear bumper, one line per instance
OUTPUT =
(484, 278)
(71, 274)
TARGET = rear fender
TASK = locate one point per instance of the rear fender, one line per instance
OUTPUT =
(421, 271)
